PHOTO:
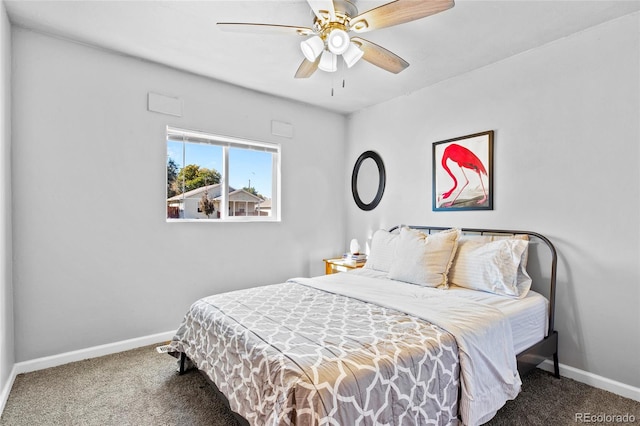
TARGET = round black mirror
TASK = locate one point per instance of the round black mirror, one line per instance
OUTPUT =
(368, 180)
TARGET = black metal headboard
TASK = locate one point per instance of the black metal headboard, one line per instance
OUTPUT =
(553, 261)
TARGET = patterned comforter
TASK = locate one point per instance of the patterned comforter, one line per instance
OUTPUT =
(293, 354)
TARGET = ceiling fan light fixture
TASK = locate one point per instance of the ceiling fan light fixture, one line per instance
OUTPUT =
(352, 55)
(312, 47)
(338, 41)
(328, 62)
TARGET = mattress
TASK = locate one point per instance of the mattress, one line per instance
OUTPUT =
(528, 317)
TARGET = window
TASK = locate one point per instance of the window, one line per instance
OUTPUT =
(221, 178)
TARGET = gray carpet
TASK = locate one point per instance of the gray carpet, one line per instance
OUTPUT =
(141, 387)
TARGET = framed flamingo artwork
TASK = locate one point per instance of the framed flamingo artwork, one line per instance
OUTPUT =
(463, 173)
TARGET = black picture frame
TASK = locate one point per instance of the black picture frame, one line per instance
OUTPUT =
(454, 188)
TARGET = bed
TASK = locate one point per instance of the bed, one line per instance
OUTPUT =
(437, 328)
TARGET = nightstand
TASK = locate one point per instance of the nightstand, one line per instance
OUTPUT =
(331, 266)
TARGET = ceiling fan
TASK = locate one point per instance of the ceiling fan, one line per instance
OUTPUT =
(329, 37)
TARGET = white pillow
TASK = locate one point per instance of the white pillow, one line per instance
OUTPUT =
(383, 249)
(424, 259)
(496, 267)
(524, 280)
(499, 237)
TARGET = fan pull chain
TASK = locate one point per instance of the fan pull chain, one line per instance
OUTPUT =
(333, 82)
(340, 71)
(338, 75)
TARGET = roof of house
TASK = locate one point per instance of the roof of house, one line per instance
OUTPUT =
(215, 189)
(237, 192)
(266, 204)
(194, 192)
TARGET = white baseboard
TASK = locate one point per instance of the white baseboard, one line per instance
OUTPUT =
(594, 380)
(93, 352)
(4, 393)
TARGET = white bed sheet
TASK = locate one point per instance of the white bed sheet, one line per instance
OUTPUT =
(528, 317)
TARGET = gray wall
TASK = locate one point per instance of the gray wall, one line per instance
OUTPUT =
(95, 261)
(566, 165)
(6, 295)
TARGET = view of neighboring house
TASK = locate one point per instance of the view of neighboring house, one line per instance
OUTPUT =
(265, 207)
(241, 203)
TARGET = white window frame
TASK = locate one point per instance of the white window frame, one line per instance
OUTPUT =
(227, 142)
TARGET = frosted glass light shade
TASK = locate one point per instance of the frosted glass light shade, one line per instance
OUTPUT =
(312, 47)
(354, 247)
(338, 41)
(328, 62)
(352, 55)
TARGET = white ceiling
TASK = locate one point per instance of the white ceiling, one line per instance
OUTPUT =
(183, 34)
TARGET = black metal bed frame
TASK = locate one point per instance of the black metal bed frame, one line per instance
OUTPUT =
(527, 360)
(547, 348)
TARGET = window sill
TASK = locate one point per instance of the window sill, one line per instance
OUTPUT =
(228, 220)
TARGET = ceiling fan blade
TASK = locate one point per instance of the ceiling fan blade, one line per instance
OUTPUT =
(307, 68)
(323, 9)
(379, 56)
(242, 27)
(397, 12)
